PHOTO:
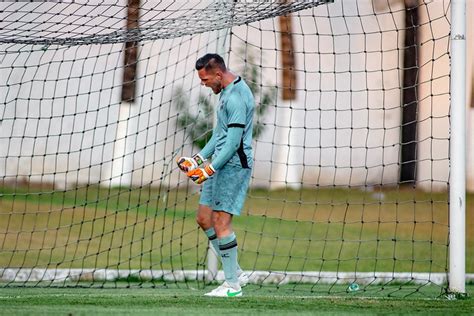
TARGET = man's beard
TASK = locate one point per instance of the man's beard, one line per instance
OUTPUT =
(216, 90)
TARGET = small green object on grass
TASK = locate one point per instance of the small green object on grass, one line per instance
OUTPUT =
(353, 287)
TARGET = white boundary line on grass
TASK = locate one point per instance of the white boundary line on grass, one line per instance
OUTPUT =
(92, 295)
(256, 277)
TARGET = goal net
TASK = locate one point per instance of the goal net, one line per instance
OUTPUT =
(351, 141)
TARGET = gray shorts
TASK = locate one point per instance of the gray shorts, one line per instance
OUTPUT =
(226, 189)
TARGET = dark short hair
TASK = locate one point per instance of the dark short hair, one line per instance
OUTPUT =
(210, 62)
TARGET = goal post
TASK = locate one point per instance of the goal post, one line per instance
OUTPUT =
(457, 189)
(347, 93)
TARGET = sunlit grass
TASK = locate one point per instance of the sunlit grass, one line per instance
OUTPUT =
(188, 299)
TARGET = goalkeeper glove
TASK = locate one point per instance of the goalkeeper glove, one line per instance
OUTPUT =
(200, 175)
(187, 164)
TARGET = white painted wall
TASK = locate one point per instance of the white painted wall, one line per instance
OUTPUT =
(347, 110)
(60, 113)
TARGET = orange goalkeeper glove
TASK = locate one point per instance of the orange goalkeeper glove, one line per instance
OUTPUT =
(187, 164)
(200, 175)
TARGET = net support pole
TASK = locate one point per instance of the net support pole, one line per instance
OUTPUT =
(222, 48)
(457, 179)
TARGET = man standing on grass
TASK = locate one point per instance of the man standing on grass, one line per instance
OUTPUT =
(227, 177)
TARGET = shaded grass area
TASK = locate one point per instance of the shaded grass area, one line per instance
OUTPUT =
(190, 301)
(333, 229)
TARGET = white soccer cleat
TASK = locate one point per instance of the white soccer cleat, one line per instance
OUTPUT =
(243, 279)
(225, 290)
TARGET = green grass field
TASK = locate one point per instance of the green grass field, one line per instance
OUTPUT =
(281, 230)
(256, 300)
(151, 228)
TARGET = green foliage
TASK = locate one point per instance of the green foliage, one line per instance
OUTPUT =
(198, 126)
(264, 97)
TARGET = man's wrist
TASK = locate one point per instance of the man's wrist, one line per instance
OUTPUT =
(209, 170)
(199, 159)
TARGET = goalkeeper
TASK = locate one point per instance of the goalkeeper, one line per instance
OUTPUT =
(226, 179)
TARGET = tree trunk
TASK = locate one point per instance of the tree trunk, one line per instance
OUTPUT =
(287, 57)
(130, 53)
(410, 98)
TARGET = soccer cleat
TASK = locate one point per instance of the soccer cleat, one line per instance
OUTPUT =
(243, 279)
(225, 290)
